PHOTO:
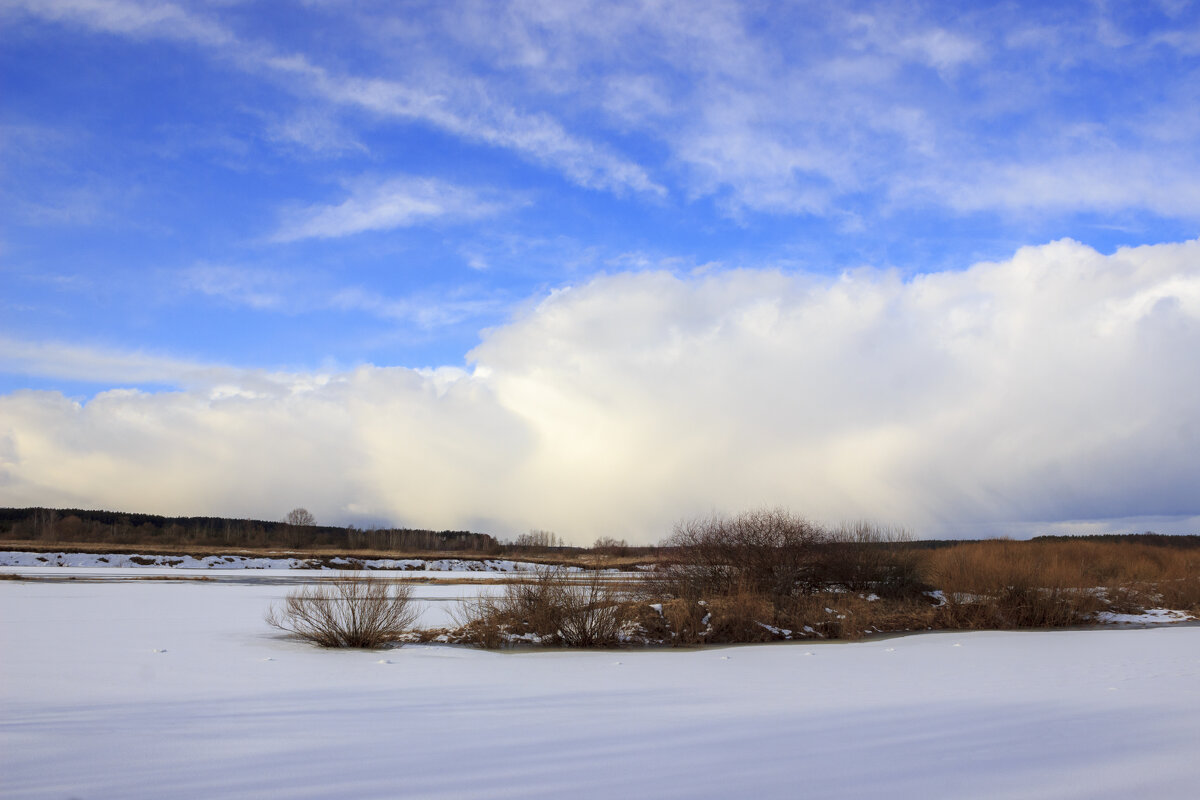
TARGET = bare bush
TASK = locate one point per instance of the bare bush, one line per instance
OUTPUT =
(478, 622)
(592, 613)
(769, 551)
(865, 557)
(740, 617)
(353, 610)
(554, 606)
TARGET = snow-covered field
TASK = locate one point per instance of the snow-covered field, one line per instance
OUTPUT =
(20, 562)
(240, 569)
(179, 689)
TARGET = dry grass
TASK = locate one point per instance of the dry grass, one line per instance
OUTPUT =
(848, 615)
(1002, 584)
(995, 584)
(1006, 584)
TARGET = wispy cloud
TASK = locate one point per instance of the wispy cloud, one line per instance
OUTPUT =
(426, 310)
(375, 205)
(260, 289)
(95, 364)
(825, 108)
(459, 107)
(131, 18)
(280, 292)
(315, 132)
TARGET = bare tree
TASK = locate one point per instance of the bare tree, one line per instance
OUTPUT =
(539, 538)
(300, 516)
(609, 546)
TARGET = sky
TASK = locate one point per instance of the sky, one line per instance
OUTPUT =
(598, 267)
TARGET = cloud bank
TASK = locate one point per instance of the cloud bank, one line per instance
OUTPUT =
(1043, 392)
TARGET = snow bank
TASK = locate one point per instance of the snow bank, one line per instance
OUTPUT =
(97, 561)
(1151, 616)
(129, 690)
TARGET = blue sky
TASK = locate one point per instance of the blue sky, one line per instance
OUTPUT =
(236, 199)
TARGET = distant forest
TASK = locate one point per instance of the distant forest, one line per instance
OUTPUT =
(51, 526)
(65, 526)
(1179, 541)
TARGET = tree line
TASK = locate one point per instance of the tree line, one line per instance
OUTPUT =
(65, 526)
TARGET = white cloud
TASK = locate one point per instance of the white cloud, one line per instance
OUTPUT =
(1036, 393)
(382, 205)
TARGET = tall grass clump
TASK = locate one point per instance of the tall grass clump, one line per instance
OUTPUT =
(1059, 582)
(352, 610)
(1006, 584)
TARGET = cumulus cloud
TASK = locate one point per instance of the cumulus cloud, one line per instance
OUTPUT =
(1054, 390)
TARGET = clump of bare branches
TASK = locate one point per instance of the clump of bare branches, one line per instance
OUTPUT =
(553, 606)
(768, 551)
(352, 610)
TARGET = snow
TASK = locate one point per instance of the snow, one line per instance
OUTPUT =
(115, 689)
(1151, 616)
(17, 558)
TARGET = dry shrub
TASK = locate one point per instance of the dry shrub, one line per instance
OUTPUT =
(686, 620)
(478, 623)
(740, 617)
(753, 577)
(847, 615)
(352, 610)
(865, 557)
(554, 606)
(771, 552)
(776, 554)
